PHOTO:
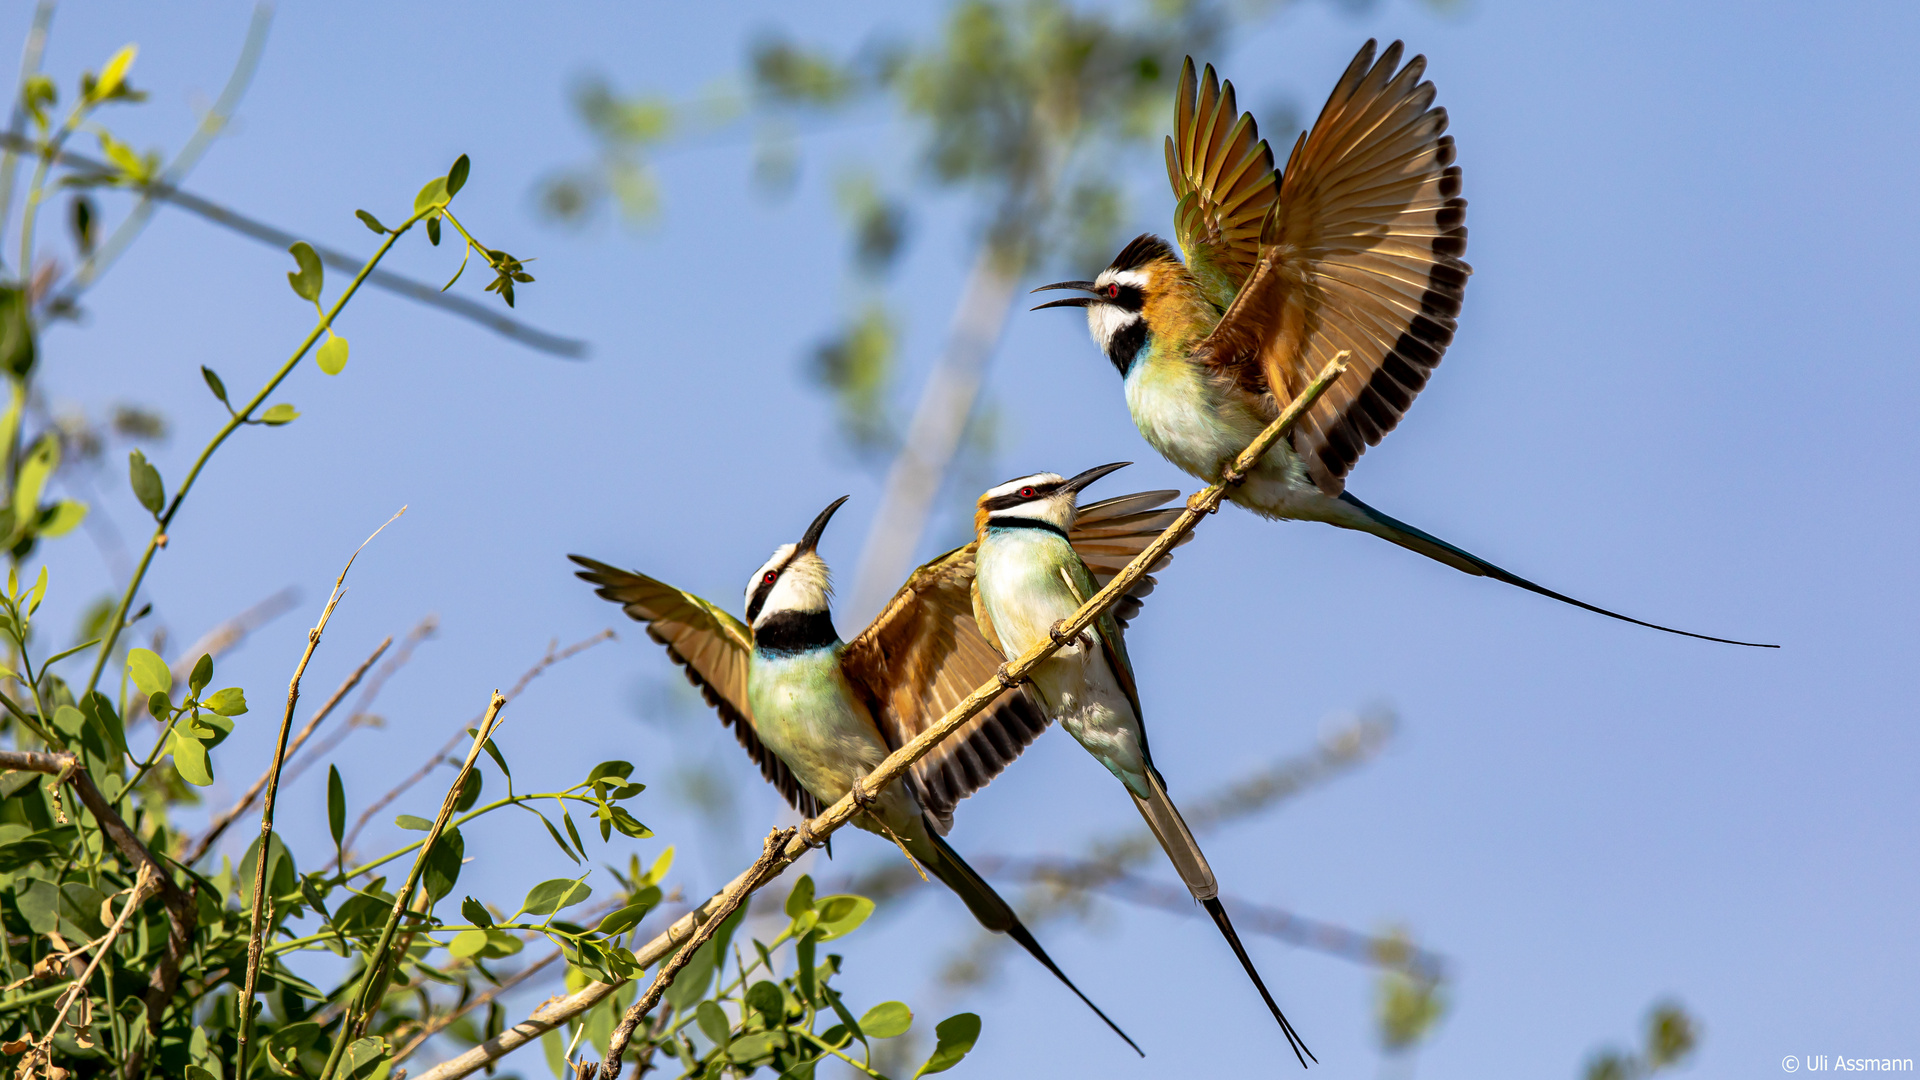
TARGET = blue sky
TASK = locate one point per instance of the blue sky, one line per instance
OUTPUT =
(1682, 388)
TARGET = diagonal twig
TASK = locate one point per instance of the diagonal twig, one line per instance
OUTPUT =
(440, 756)
(254, 937)
(360, 717)
(813, 832)
(207, 839)
(419, 292)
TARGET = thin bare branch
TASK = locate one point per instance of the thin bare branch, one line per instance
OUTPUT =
(254, 935)
(360, 717)
(814, 832)
(207, 839)
(764, 869)
(445, 1020)
(182, 915)
(419, 292)
(440, 756)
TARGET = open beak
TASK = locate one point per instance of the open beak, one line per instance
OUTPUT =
(1071, 301)
(812, 539)
(1093, 474)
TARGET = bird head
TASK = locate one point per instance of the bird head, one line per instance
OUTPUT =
(1044, 497)
(795, 579)
(1116, 312)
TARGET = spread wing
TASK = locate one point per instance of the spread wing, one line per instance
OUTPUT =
(921, 656)
(713, 648)
(1108, 534)
(1361, 252)
(1222, 175)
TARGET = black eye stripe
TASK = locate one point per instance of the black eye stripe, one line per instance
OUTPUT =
(1040, 491)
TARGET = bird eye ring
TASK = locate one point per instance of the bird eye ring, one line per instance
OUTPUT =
(1026, 493)
(768, 577)
(1113, 291)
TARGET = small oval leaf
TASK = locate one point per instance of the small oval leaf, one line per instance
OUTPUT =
(370, 222)
(148, 671)
(332, 356)
(886, 1020)
(306, 280)
(277, 415)
(414, 822)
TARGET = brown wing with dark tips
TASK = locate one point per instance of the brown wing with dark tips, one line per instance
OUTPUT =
(712, 647)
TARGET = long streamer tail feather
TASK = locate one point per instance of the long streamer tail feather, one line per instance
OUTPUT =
(997, 915)
(1219, 912)
(1399, 532)
(1177, 840)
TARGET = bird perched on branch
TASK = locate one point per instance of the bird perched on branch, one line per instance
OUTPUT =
(1355, 246)
(1027, 579)
(816, 713)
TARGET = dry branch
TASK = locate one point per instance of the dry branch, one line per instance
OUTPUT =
(814, 832)
(182, 916)
(234, 812)
(359, 717)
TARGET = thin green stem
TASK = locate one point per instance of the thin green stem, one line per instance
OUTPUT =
(32, 725)
(29, 65)
(509, 800)
(233, 424)
(36, 189)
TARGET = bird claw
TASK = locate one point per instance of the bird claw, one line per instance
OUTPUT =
(1056, 634)
(862, 798)
(1006, 677)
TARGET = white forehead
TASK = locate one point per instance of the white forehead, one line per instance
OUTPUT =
(1012, 486)
(780, 555)
(1110, 276)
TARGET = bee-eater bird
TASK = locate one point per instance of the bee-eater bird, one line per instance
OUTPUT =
(1027, 578)
(815, 713)
(1354, 247)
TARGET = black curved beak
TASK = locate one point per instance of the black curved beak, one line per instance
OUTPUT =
(1072, 301)
(812, 539)
(1093, 474)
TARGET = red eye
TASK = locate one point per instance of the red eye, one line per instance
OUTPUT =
(769, 577)
(1026, 493)
(1113, 291)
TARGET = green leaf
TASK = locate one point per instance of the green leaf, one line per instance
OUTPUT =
(148, 671)
(501, 943)
(35, 467)
(195, 1072)
(62, 518)
(841, 915)
(332, 356)
(753, 1047)
(469, 792)
(17, 349)
(552, 895)
(713, 1023)
(433, 231)
(435, 192)
(957, 1034)
(279, 414)
(229, 702)
(625, 919)
(371, 222)
(147, 486)
(410, 821)
(494, 753)
(573, 834)
(610, 768)
(555, 833)
(336, 804)
(443, 863)
(114, 73)
(365, 1058)
(766, 999)
(306, 281)
(476, 912)
(886, 1020)
(214, 384)
(467, 942)
(457, 176)
(160, 706)
(800, 898)
(202, 674)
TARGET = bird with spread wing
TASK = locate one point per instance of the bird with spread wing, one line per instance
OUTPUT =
(815, 713)
(1353, 248)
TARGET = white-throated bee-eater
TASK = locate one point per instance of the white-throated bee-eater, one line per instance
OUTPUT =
(816, 713)
(1027, 578)
(1355, 246)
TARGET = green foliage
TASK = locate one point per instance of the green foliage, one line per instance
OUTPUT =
(1670, 1038)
